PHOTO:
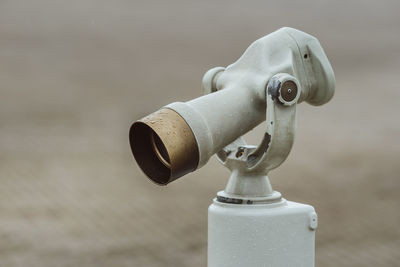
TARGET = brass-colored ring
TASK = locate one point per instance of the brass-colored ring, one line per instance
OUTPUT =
(164, 146)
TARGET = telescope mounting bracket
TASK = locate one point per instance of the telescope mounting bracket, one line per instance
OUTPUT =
(249, 164)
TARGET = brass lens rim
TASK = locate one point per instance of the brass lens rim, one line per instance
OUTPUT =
(164, 146)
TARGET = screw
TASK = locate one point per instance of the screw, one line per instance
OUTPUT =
(240, 151)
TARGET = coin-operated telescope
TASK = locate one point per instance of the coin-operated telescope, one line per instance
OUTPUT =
(249, 223)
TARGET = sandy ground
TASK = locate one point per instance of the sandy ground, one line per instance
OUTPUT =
(75, 74)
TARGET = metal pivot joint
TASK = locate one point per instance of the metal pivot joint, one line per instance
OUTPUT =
(249, 183)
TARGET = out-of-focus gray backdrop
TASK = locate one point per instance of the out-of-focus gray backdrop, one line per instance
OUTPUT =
(75, 74)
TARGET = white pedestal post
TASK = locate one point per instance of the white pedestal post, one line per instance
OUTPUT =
(280, 234)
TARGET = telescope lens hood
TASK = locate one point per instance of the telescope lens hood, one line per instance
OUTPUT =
(164, 146)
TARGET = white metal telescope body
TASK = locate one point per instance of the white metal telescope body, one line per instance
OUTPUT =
(250, 224)
(238, 102)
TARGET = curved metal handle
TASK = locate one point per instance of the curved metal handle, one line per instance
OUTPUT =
(283, 91)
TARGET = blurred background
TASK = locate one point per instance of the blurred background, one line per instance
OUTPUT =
(75, 74)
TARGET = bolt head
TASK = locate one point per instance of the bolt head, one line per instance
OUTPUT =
(288, 91)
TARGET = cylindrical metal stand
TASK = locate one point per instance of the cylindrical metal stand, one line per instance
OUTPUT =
(280, 234)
